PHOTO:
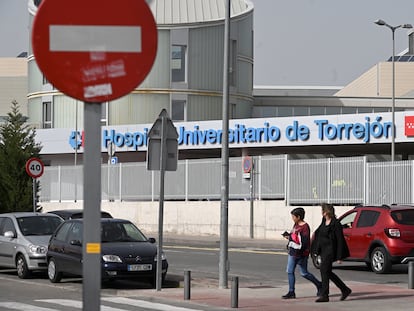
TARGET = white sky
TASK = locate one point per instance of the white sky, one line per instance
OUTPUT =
(297, 42)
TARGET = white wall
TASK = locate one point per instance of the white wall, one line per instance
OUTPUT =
(201, 218)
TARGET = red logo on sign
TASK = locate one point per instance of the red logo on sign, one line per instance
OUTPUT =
(409, 125)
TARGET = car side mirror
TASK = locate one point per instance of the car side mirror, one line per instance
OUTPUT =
(152, 240)
(9, 234)
(76, 243)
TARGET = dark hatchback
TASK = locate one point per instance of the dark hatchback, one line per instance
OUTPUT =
(125, 251)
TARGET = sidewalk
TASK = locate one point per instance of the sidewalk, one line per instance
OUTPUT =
(206, 295)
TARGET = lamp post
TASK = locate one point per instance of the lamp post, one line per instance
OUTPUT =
(380, 22)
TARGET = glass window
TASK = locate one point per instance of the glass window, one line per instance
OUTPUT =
(367, 218)
(348, 220)
(403, 217)
(316, 111)
(349, 110)
(284, 111)
(364, 110)
(178, 108)
(300, 111)
(63, 232)
(45, 81)
(178, 67)
(38, 225)
(332, 110)
(8, 226)
(47, 115)
(75, 233)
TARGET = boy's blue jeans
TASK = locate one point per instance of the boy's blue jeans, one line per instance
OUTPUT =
(302, 262)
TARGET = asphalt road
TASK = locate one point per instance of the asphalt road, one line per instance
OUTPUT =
(255, 268)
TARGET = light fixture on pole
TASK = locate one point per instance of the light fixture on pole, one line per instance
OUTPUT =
(380, 22)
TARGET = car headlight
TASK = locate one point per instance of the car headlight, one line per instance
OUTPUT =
(111, 258)
(37, 249)
(163, 257)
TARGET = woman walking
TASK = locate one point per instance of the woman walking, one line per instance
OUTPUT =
(331, 246)
(299, 245)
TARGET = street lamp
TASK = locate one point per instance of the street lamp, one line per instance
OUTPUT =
(380, 22)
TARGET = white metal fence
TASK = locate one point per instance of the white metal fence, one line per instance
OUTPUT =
(344, 181)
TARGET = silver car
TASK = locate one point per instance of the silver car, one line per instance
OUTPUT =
(23, 240)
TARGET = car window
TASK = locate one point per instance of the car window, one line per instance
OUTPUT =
(75, 232)
(348, 220)
(38, 225)
(368, 218)
(121, 232)
(134, 233)
(403, 217)
(8, 226)
(63, 232)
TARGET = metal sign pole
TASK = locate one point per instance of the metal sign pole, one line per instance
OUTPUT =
(91, 208)
(163, 147)
(34, 194)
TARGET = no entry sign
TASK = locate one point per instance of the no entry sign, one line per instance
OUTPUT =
(94, 50)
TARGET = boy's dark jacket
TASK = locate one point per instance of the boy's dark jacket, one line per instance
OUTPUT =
(339, 246)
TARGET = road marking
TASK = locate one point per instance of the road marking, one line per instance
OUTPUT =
(22, 306)
(146, 304)
(234, 250)
(75, 304)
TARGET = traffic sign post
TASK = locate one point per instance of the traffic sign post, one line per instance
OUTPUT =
(96, 52)
(161, 156)
(35, 168)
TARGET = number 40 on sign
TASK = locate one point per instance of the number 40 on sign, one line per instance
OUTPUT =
(34, 167)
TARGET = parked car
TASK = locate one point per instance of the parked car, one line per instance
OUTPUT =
(380, 236)
(75, 213)
(125, 251)
(23, 240)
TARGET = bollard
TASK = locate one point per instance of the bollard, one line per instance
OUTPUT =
(411, 274)
(187, 285)
(235, 292)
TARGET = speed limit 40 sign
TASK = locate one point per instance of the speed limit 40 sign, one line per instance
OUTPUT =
(34, 167)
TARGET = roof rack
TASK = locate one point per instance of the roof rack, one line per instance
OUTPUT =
(379, 206)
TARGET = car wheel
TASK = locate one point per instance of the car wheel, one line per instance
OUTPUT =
(52, 271)
(380, 260)
(23, 271)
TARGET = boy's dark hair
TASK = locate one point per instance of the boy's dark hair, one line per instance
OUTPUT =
(298, 212)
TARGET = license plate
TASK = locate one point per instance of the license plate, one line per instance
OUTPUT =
(139, 267)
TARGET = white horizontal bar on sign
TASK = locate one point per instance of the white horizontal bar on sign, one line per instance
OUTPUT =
(69, 38)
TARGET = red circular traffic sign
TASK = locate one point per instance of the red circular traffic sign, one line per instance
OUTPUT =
(247, 164)
(94, 50)
(34, 167)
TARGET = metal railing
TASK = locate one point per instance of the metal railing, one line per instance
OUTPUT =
(342, 181)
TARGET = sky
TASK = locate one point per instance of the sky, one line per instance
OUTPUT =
(297, 42)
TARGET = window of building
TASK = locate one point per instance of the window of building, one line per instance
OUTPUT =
(178, 60)
(349, 110)
(233, 63)
(104, 114)
(300, 111)
(284, 111)
(333, 110)
(316, 111)
(47, 115)
(45, 80)
(178, 110)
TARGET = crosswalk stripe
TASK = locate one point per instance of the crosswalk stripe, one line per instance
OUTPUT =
(145, 304)
(22, 306)
(75, 304)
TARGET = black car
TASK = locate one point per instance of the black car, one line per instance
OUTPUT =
(125, 251)
(76, 213)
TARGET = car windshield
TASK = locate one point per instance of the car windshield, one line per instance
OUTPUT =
(403, 217)
(121, 232)
(38, 225)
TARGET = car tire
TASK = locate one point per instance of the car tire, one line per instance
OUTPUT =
(23, 271)
(52, 271)
(380, 260)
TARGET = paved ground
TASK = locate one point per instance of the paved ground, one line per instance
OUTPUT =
(208, 295)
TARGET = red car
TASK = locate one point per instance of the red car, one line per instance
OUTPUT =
(380, 236)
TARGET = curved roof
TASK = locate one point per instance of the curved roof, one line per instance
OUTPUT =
(179, 12)
(175, 12)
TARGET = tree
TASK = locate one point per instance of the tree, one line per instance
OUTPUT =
(17, 145)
